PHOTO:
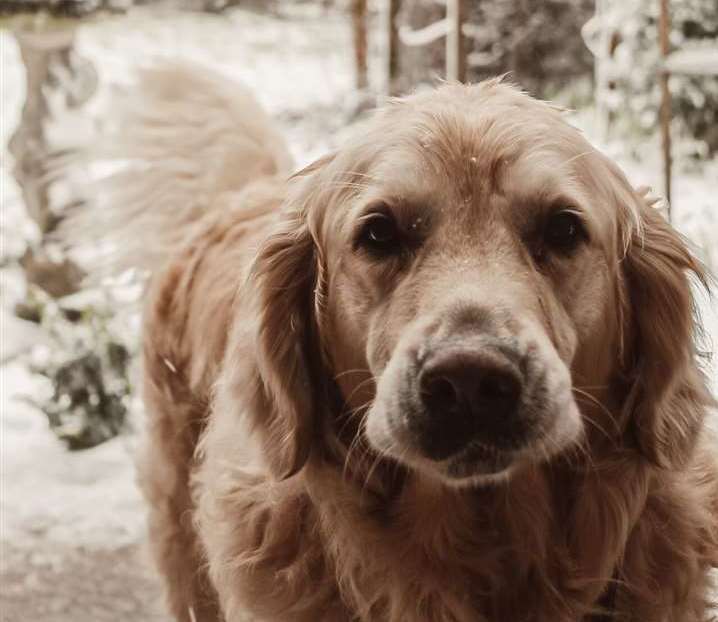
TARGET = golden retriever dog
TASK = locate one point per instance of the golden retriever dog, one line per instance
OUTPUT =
(444, 374)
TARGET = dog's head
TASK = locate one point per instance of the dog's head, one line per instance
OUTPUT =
(474, 277)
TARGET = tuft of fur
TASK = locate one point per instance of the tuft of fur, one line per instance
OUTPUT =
(180, 142)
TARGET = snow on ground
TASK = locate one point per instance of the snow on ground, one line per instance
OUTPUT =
(71, 524)
(91, 500)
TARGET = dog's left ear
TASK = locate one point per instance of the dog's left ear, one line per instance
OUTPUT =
(667, 398)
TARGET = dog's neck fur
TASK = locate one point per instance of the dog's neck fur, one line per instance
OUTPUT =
(513, 538)
(436, 544)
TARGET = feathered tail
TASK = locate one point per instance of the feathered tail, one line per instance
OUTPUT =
(182, 139)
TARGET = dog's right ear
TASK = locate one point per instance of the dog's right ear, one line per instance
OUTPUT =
(287, 278)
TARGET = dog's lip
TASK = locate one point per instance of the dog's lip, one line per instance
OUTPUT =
(481, 451)
(480, 458)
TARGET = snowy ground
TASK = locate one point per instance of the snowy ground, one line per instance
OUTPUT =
(71, 523)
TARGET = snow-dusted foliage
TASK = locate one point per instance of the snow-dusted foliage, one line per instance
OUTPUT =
(538, 42)
(87, 362)
(625, 36)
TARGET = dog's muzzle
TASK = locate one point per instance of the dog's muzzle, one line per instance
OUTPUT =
(469, 397)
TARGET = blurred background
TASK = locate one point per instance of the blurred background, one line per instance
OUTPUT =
(641, 79)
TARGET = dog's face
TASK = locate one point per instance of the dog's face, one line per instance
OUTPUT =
(469, 248)
(470, 273)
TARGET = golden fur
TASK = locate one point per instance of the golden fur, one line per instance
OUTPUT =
(266, 339)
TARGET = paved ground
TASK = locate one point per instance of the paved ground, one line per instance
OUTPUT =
(74, 584)
(71, 524)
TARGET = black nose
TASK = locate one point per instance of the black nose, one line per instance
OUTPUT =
(467, 394)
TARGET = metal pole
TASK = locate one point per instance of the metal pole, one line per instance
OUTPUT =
(455, 55)
(359, 26)
(393, 42)
(665, 113)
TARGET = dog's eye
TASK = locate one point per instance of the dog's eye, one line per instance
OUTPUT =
(379, 234)
(564, 231)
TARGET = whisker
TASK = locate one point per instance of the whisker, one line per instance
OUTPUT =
(601, 429)
(353, 446)
(352, 371)
(358, 387)
(588, 387)
(379, 456)
(603, 408)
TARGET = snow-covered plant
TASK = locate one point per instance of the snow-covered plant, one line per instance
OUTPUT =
(537, 42)
(635, 67)
(87, 362)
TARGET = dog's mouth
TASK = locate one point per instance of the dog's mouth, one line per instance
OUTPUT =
(479, 459)
(475, 464)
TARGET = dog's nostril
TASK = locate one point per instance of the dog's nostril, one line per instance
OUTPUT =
(439, 392)
(499, 386)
